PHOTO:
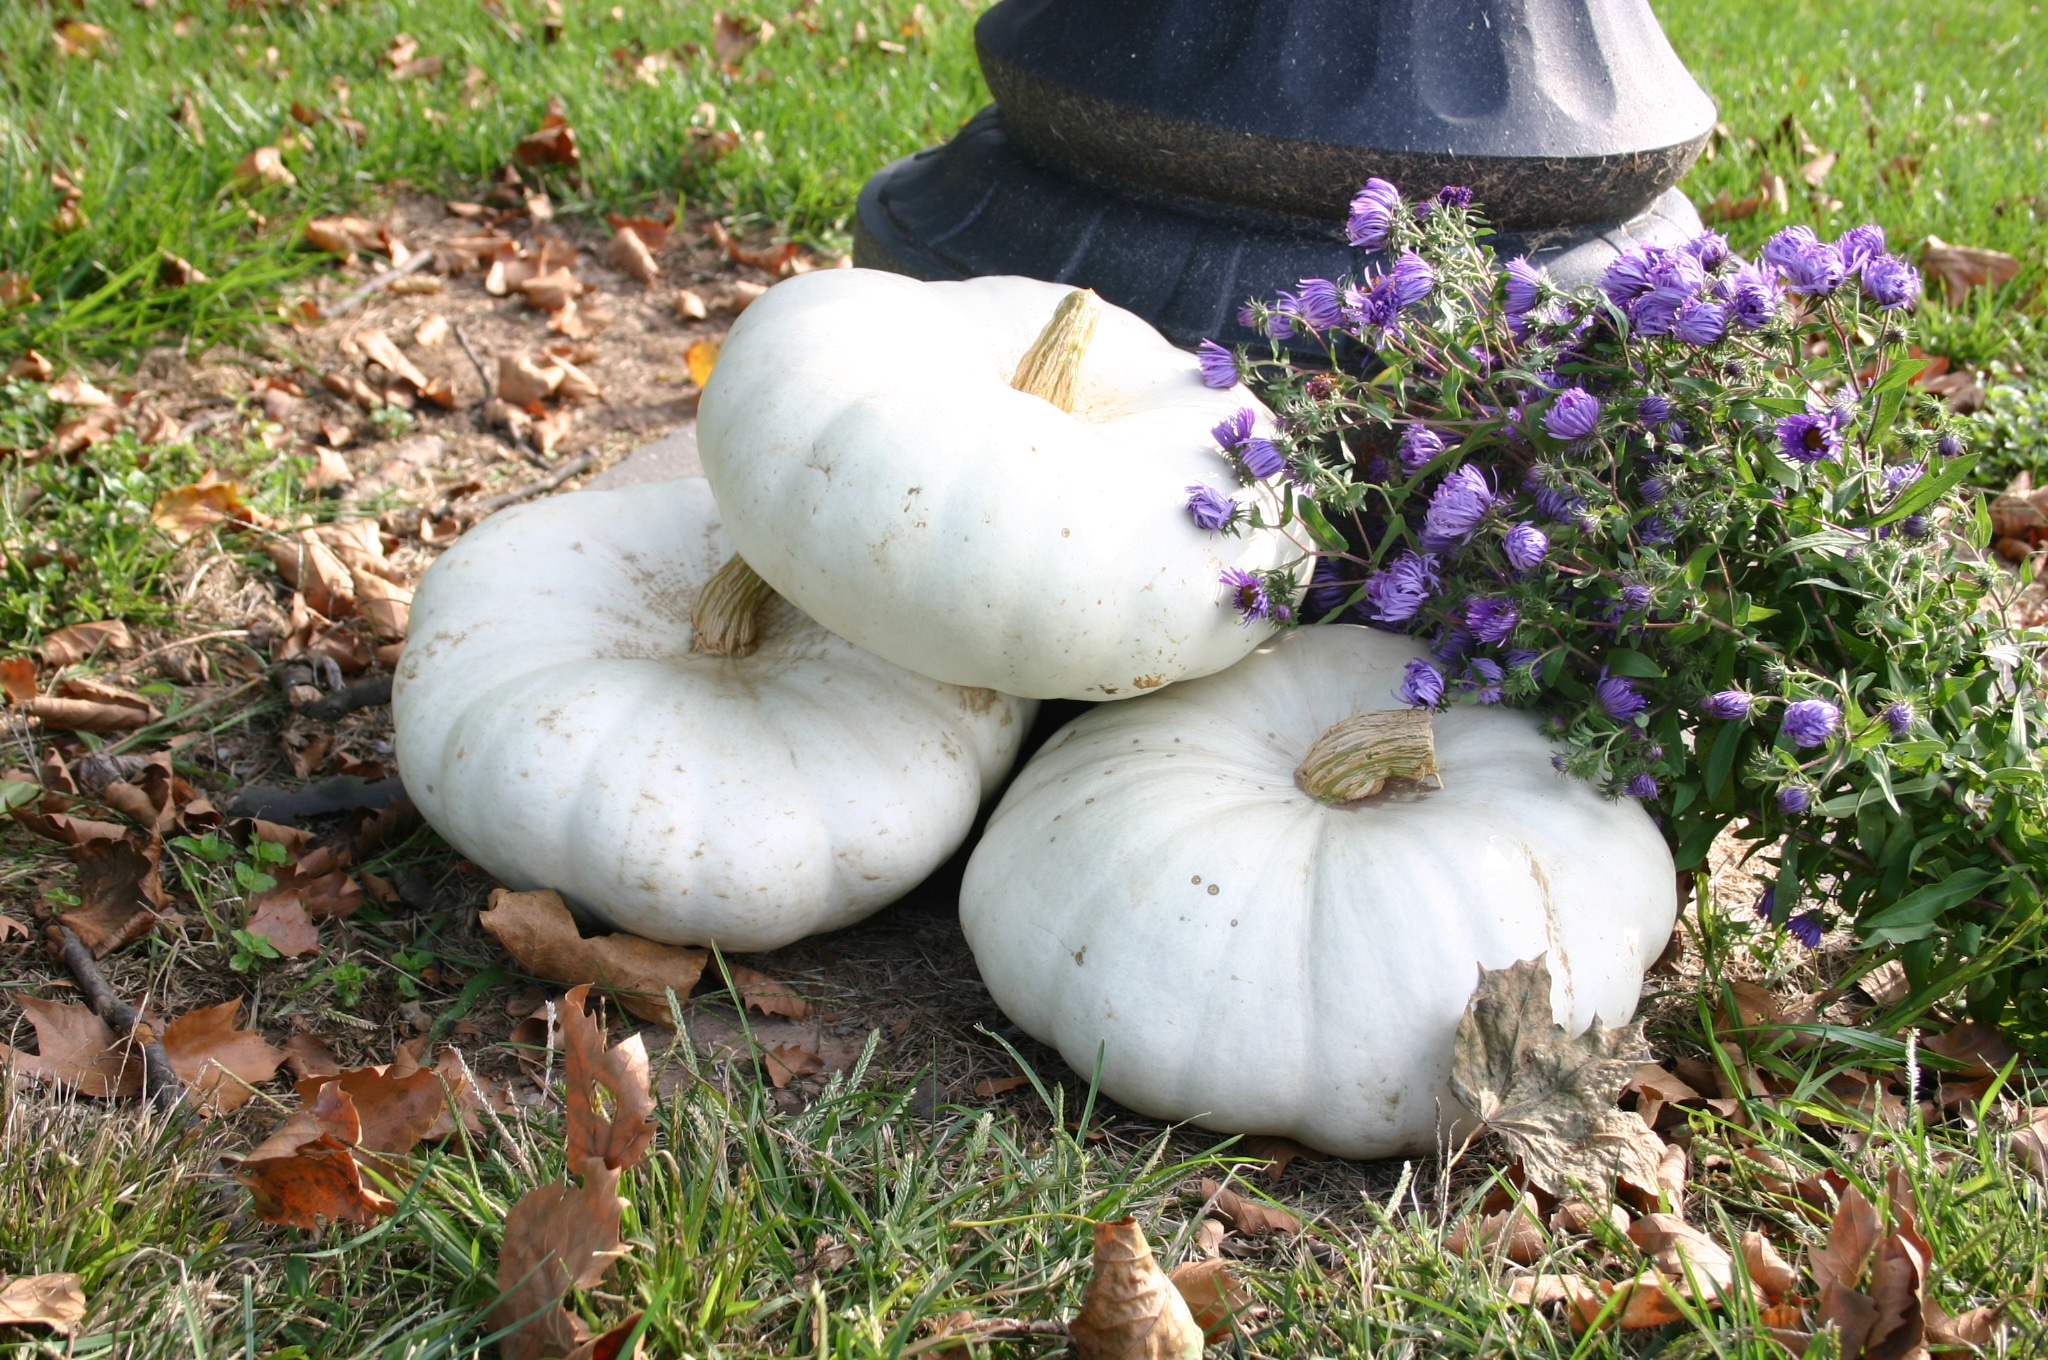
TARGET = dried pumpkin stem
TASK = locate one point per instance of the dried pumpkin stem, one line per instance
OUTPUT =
(725, 620)
(1355, 758)
(1052, 364)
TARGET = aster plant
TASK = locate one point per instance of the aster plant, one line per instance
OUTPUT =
(1698, 519)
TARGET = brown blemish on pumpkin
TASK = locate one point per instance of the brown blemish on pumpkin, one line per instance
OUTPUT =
(978, 700)
(1149, 681)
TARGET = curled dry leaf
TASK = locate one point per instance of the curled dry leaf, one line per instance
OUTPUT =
(29, 364)
(1131, 1310)
(524, 383)
(1767, 1270)
(80, 705)
(538, 931)
(1683, 1252)
(262, 168)
(2030, 1144)
(989, 1087)
(773, 259)
(621, 1138)
(76, 1051)
(394, 1110)
(552, 143)
(629, 255)
(317, 1179)
(555, 1237)
(1516, 1232)
(552, 291)
(1215, 1297)
(307, 1055)
(80, 641)
(185, 511)
(787, 1062)
(1246, 1217)
(379, 348)
(690, 306)
(120, 898)
(217, 1061)
(55, 1301)
(1549, 1095)
(1277, 1153)
(1962, 268)
(175, 271)
(18, 678)
(343, 235)
(284, 922)
(309, 566)
(764, 994)
(75, 391)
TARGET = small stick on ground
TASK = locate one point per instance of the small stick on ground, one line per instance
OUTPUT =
(160, 1085)
(329, 311)
(371, 693)
(462, 338)
(579, 464)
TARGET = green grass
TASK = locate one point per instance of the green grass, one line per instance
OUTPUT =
(815, 114)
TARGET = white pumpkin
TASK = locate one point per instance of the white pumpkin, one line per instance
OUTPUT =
(877, 466)
(560, 722)
(1160, 883)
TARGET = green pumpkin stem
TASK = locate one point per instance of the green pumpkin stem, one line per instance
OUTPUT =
(1049, 368)
(1356, 757)
(725, 619)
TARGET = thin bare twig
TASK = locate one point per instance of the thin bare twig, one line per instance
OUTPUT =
(329, 311)
(580, 463)
(462, 338)
(160, 1084)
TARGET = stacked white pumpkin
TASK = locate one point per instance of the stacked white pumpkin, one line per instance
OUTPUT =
(1256, 901)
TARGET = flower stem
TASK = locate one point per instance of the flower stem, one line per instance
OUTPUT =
(1049, 368)
(725, 619)
(1356, 757)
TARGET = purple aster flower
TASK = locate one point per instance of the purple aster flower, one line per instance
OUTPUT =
(1482, 680)
(1209, 509)
(1652, 490)
(1412, 279)
(1450, 196)
(1710, 248)
(1456, 507)
(1419, 444)
(1766, 906)
(1372, 213)
(1634, 599)
(1858, 246)
(1520, 656)
(1318, 304)
(1678, 432)
(1219, 365)
(1618, 697)
(1233, 430)
(1559, 507)
(1453, 644)
(1899, 718)
(1701, 323)
(1524, 286)
(1261, 458)
(1422, 685)
(1629, 275)
(1491, 620)
(1950, 445)
(1808, 264)
(1656, 312)
(1526, 546)
(1679, 273)
(1810, 722)
(1902, 475)
(1397, 592)
(1573, 415)
(1247, 595)
(1729, 705)
(1641, 786)
(1916, 526)
(1656, 531)
(1890, 282)
(1813, 436)
(1794, 799)
(1805, 928)
(1753, 297)
(1653, 410)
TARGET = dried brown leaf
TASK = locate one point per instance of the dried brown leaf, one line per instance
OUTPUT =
(379, 348)
(1549, 1095)
(262, 168)
(787, 1062)
(1677, 1248)
(628, 254)
(1962, 268)
(1852, 1236)
(553, 143)
(537, 930)
(1516, 1232)
(219, 1062)
(1131, 1310)
(74, 390)
(316, 1180)
(307, 1055)
(1277, 1153)
(555, 1237)
(282, 920)
(620, 1138)
(1215, 1297)
(76, 1050)
(185, 511)
(79, 641)
(1244, 1216)
(764, 994)
(990, 1087)
(1768, 1270)
(56, 1301)
(119, 894)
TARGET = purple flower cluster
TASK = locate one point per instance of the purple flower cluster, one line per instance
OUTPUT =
(1422, 685)
(1810, 722)
(1397, 592)
(1372, 215)
(1817, 268)
(1456, 508)
(1259, 457)
(1618, 697)
(1573, 414)
(1675, 291)
(1378, 304)
(1419, 444)
(1491, 620)
(1814, 436)
(1211, 510)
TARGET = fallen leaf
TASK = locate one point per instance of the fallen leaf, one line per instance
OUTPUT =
(75, 1050)
(2030, 1144)
(553, 143)
(701, 357)
(219, 1062)
(30, 364)
(283, 921)
(1244, 1216)
(81, 705)
(343, 235)
(310, 566)
(77, 38)
(73, 390)
(704, 146)
(989, 1087)
(767, 996)
(185, 511)
(1767, 1270)
(1646, 1301)
(120, 899)
(556, 1237)
(1683, 1252)
(55, 1301)
(1277, 1153)
(394, 1110)
(1962, 268)
(1977, 1327)
(576, 385)
(1131, 1310)
(1540, 1291)
(552, 428)
(175, 271)
(787, 1062)
(621, 1139)
(690, 306)
(523, 383)
(262, 168)
(551, 291)
(317, 1179)
(1815, 172)
(18, 678)
(652, 231)
(1215, 1297)
(733, 36)
(1979, 1047)
(378, 348)
(538, 931)
(775, 259)
(628, 254)
(1516, 1232)
(1852, 1236)
(419, 68)
(307, 1055)
(1551, 1096)
(16, 292)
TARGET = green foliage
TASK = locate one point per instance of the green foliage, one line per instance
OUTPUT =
(1711, 580)
(2012, 429)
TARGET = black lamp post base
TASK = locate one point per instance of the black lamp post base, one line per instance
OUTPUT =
(976, 206)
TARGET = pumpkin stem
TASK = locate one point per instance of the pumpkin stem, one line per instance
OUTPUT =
(725, 618)
(1049, 368)
(1357, 756)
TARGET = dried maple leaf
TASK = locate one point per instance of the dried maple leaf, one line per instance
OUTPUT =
(628, 254)
(1962, 268)
(621, 1139)
(80, 641)
(701, 358)
(379, 348)
(309, 566)
(556, 1237)
(1131, 1310)
(318, 1179)
(553, 143)
(1245, 1216)
(989, 1087)
(787, 1062)
(18, 678)
(76, 1050)
(1549, 1095)
(1767, 1270)
(395, 1110)
(764, 994)
(185, 511)
(283, 921)
(538, 931)
(307, 1055)
(1215, 1297)
(54, 1301)
(1516, 1232)
(219, 1062)
(82, 705)
(120, 899)
(1683, 1252)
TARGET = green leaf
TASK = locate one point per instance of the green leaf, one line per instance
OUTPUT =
(18, 793)
(1927, 490)
(1326, 536)
(1912, 917)
(1628, 661)
(1721, 759)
